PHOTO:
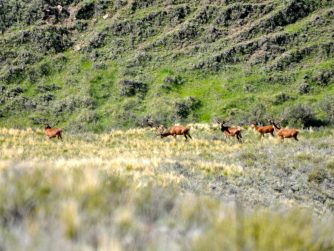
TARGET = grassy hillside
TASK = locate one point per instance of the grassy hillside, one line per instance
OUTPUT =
(98, 64)
(129, 190)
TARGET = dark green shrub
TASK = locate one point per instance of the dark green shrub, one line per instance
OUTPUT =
(258, 114)
(185, 107)
(280, 98)
(12, 74)
(44, 69)
(86, 10)
(88, 116)
(13, 92)
(249, 88)
(131, 88)
(38, 120)
(324, 78)
(47, 88)
(304, 88)
(300, 115)
(327, 106)
(171, 82)
(46, 98)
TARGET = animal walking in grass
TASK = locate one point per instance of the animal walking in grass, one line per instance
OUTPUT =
(262, 130)
(174, 131)
(230, 131)
(52, 132)
(283, 133)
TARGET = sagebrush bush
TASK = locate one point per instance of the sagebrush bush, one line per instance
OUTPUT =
(130, 88)
(304, 88)
(281, 98)
(317, 175)
(327, 106)
(300, 115)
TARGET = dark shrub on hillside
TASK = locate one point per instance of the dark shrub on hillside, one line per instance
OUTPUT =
(44, 69)
(47, 88)
(70, 104)
(280, 98)
(172, 81)
(186, 107)
(324, 78)
(38, 120)
(304, 88)
(327, 106)
(12, 74)
(81, 25)
(131, 88)
(146, 121)
(46, 98)
(300, 115)
(14, 92)
(30, 105)
(50, 39)
(258, 114)
(86, 10)
(88, 116)
(182, 110)
(249, 88)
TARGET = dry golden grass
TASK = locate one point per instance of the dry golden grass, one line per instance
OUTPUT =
(128, 190)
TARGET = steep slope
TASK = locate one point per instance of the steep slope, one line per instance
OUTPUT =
(94, 65)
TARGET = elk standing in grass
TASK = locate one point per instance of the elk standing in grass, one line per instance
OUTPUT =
(230, 131)
(263, 129)
(174, 131)
(285, 132)
(52, 132)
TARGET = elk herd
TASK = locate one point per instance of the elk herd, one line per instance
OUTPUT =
(229, 132)
(233, 132)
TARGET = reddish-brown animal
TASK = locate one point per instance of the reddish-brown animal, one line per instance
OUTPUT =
(263, 129)
(285, 132)
(52, 132)
(230, 131)
(174, 131)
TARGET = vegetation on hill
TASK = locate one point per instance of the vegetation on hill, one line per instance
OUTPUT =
(94, 65)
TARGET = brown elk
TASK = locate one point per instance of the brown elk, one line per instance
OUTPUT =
(285, 132)
(52, 132)
(230, 131)
(174, 131)
(263, 129)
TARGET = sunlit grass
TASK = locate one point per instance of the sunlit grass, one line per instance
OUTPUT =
(131, 190)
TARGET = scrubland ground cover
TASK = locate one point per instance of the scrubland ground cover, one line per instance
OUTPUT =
(131, 190)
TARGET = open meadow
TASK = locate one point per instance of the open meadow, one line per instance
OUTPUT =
(131, 190)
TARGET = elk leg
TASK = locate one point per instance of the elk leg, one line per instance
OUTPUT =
(239, 137)
(189, 135)
(185, 135)
(295, 137)
(59, 137)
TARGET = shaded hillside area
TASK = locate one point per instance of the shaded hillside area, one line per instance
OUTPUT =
(96, 65)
